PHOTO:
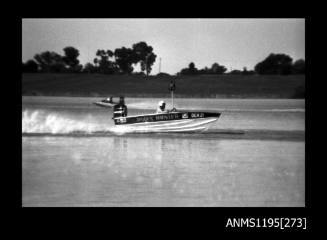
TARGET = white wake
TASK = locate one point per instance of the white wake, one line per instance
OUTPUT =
(38, 121)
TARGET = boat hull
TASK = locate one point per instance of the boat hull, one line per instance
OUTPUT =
(168, 122)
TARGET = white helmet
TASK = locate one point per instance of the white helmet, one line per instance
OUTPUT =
(161, 103)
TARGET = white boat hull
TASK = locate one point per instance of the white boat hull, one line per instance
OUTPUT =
(187, 125)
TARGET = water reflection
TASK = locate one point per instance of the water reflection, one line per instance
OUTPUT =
(170, 167)
(155, 171)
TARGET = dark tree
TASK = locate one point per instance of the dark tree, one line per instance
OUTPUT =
(299, 67)
(247, 72)
(191, 66)
(125, 57)
(70, 58)
(96, 62)
(205, 70)
(103, 62)
(144, 54)
(77, 69)
(89, 68)
(235, 72)
(218, 69)
(30, 66)
(191, 70)
(184, 71)
(275, 64)
(150, 59)
(50, 62)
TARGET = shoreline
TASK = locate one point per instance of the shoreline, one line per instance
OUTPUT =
(199, 86)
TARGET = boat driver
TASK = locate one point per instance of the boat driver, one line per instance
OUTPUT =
(120, 109)
(161, 107)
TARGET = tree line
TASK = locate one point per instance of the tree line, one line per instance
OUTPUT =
(120, 61)
(280, 64)
(123, 60)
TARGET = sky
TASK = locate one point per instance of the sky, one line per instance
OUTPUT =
(234, 43)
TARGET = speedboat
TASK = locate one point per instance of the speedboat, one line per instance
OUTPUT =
(166, 122)
(169, 121)
(105, 103)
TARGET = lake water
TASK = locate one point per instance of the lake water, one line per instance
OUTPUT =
(254, 155)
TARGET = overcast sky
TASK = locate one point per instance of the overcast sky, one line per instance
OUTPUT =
(234, 43)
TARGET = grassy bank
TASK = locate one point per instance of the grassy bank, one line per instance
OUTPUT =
(209, 86)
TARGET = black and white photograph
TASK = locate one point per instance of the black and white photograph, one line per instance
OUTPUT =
(163, 112)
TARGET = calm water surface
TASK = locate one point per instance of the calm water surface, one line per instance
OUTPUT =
(70, 157)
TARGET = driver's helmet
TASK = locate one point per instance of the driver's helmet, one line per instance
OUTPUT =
(161, 104)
